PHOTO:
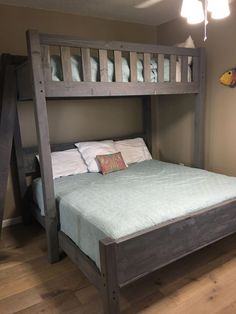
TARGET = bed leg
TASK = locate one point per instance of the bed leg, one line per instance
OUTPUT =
(110, 291)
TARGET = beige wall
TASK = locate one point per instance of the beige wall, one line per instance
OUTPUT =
(176, 114)
(70, 120)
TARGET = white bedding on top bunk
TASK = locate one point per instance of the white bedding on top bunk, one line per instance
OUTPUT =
(77, 76)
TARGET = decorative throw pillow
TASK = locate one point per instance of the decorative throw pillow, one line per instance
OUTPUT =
(110, 163)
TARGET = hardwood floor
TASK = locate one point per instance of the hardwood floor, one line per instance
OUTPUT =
(204, 282)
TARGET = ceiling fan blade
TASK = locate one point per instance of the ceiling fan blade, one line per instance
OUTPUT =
(147, 4)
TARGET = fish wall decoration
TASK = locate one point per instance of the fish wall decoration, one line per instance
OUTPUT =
(228, 78)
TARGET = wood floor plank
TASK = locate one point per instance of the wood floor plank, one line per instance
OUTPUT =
(69, 281)
(202, 283)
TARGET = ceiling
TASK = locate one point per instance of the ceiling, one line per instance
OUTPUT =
(150, 12)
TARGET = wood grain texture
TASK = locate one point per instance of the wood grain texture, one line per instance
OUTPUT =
(46, 62)
(7, 125)
(184, 69)
(136, 257)
(147, 121)
(42, 129)
(98, 89)
(118, 66)
(86, 64)
(203, 282)
(199, 119)
(111, 291)
(60, 40)
(103, 65)
(146, 65)
(107, 89)
(66, 63)
(133, 66)
(160, 67)
(173, 68)
(81, 260)
(20, 177)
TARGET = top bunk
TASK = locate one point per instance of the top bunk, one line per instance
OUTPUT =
(64, 67)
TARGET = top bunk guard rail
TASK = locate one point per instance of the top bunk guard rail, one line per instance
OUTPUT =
(152, 69)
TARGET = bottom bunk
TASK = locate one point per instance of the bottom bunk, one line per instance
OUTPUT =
(122, 226)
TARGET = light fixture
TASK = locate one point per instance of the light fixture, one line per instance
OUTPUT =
(186, 7)
(196, 11)
(220, 9)
(196, 14)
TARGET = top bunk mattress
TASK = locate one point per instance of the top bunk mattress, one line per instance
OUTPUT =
(93, 207)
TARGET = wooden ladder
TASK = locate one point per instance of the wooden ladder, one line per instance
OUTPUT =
(10, 139)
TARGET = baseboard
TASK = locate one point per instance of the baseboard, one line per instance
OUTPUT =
(11, 221)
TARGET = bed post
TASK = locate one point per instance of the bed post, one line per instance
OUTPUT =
(110, 289)
(199, 120)
(147, 121)
(41, 119)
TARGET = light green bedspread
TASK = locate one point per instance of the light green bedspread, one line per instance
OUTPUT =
(93, 206)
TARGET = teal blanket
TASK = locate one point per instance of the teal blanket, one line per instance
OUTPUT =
(93, 206)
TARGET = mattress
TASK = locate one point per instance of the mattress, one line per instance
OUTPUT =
(93, 206)
(77, 73)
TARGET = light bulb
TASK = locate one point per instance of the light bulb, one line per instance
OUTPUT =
(220, 9)
(210, 5)
(186, 7)
(196, 14)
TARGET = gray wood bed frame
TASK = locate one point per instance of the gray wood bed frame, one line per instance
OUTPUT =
(131, 257)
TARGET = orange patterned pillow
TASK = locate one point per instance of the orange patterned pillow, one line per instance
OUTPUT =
(110, 163)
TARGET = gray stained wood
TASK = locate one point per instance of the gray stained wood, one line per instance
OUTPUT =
(69, 88)
(132, 257)
(201, 283)
(7, 125)
(19, 174)
(147, 121)
(41, 119)
(199, 118)
(146, 65)
(66, 63)
(103, 65)
(118, 66)
(68, 41)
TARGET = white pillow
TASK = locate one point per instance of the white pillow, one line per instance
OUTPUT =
(133, 150)
(188, 43)
(89, 151)
(66, 163)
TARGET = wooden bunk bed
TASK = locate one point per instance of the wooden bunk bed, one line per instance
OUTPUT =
(131, 257)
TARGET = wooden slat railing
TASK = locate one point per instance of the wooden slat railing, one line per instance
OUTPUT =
(146, 67)
(173, 68)
(103, 65)
(133, 66)
(46, 62)
(180, 55)
(86, 64)
(160, 68)
(118, 65)
(184, 69)
(66, 63)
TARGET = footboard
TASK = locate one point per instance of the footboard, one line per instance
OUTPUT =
(144, 252)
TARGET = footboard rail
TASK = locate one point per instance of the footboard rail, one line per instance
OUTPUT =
(146, 251)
